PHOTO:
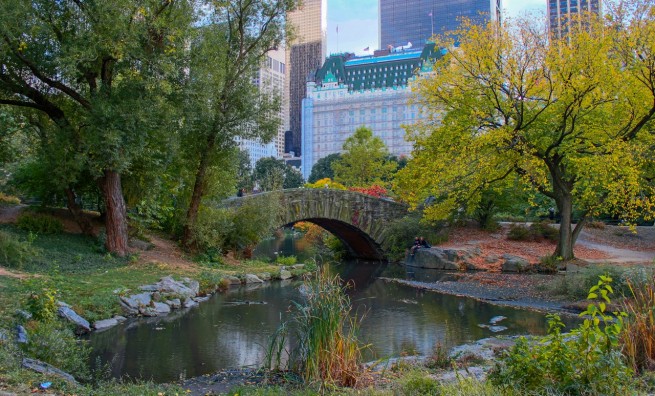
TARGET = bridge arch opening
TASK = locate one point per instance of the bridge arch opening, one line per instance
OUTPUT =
(359, 244)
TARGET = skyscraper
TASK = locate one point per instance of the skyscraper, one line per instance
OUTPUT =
(560, 12)
(415, 21)
(269, 78)
(305, 55)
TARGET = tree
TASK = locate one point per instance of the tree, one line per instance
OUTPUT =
(221, 101)
(99, 72)
(273, 174)
(363, 162)
(322, 169)
(573, 118)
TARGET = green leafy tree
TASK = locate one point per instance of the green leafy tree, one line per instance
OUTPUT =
(100, 72)
(364, 160)
(322, 169)
(221, 102)
(273, 174)
(573, 118)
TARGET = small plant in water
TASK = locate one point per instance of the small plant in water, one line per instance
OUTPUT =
(325, 345)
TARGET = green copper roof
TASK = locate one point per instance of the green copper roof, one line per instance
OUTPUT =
(389, 70)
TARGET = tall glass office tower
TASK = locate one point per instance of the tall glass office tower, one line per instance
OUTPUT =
(415, 21)
(560, 12)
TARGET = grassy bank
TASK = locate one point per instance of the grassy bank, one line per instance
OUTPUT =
(77, 270)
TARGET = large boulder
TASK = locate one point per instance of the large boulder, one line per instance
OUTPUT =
(132, 305)
(82, 324)
(514, 264)
(251, 278)
(161, 309)
(432, 258)
(105, 324)
(284, 274)
(168, 286)
(45, 368)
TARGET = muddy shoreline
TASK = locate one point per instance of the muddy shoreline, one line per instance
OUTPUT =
(516, 291)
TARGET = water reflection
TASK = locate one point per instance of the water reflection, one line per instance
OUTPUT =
(225, 332)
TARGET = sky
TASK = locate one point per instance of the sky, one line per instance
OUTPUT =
(358, 22)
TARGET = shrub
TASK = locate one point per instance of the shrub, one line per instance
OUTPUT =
(286, 260)
(418, 383)
(42, 301)
(14, 252)
(439, 358)
(549, 264)
(326, 348)
(54, 343)
(543, 229)
(519, 232)
(7, 200)
(586, 361)
(39, 223)
(212, 228)
(597, 224)
(210, 281)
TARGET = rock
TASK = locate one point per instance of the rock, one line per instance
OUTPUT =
(188, 303)
(168, 286)
(200, 299)
(298, 266)
(514, 264)
(251, 278)
(21, 335)
(127, 309)
(137, 301)
(471, 266)
(433, 258)
(82, 324)
(497, 329)
(161, 309)
(105, 324)
(63, 304)
(193, 285)
(148, 312)
(233, 280)
(284, 274)
(174, 303)
(120, 319)
(497, 319)
(45, 368)
(156, 296)
(265, 276)
(23, 314)
(492, 258)
(149, 288)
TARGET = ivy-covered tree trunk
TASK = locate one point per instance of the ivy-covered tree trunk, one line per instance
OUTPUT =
(76, 211)
(116, 220)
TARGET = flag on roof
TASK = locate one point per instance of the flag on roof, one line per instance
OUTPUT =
(366, 49)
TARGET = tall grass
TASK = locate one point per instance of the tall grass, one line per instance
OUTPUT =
(325, 347)
(638, 337)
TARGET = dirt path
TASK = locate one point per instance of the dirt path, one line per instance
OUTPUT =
(165, 251)
(618, 255)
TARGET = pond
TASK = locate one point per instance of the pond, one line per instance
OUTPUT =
(233, 329)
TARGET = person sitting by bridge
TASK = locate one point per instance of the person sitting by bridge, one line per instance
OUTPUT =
(415, 246)
(423, 243)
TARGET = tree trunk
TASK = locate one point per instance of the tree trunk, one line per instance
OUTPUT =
(116, 215)
(196, 198)
(82, 221)
(566, 240)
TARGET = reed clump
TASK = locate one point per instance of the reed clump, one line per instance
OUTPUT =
(322, 333)
(638, 337)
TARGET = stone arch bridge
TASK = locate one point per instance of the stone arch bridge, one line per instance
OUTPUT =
(360, 221)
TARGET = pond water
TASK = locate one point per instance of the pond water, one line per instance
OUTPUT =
(233, 329)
